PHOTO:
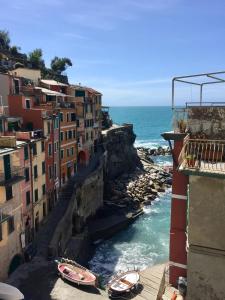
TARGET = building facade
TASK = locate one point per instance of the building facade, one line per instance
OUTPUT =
(11, 221)
(197, 247)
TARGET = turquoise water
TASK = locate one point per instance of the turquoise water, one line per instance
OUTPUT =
(149, 122)
(146, 241)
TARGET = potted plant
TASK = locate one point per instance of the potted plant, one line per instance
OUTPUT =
(182, 125)
(191, 160)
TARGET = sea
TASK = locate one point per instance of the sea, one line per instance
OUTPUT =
(145, 242)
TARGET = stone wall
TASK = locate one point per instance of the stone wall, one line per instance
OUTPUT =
(121, 155)
(86, 200)
(207, 121)
(89, 198)
(206, 223)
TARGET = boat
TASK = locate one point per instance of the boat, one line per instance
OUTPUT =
(8, 292)
(73, 272)
(123, 282)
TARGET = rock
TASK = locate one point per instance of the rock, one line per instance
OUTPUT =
(169, 181)
(154, 192)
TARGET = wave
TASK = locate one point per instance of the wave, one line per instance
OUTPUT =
(150, 143)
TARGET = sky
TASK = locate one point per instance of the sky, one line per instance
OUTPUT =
(128, 49)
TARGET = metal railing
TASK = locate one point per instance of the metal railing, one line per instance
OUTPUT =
(203, 155)
(16, 174)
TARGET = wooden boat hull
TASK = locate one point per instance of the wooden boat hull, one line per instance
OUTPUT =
(124, 282)
(76, 274)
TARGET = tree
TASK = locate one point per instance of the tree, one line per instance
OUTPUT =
(35, 58)
(15, 50)
(4, 40)
(59, 65)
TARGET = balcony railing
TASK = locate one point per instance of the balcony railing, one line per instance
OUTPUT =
(16, 174)
(203, 155)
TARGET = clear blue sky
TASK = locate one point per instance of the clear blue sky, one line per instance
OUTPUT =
(128, 49)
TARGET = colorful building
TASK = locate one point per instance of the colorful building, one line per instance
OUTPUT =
(12, 239)
(197, 247)
(38, 109)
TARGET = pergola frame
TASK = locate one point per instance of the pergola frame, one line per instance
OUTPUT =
(184, 79)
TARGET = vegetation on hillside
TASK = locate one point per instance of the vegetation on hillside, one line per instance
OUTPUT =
(34, 59)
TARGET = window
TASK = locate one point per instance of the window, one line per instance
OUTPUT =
(50, 172)
(27, 175)
(61, 117)
(43, 167)
(74, 133)
(68, 152)
(35, 172)
(42, 146)
(79, 93)
(8, 192)
(55, 169)
(72, 151)
(66, 135)
(73, 117)
(68, 117)
(28, 198)
(78, 123)
(26, 155)
(56, 123)
(86, 136)
(49, 149)
(61, 136)
(36, 195)
(43, 189)
(34, 148)
(62, 154)
(0, 232)
(1, 125)
(49, 127)
(10, 224)
(27, 103)
(70, 134)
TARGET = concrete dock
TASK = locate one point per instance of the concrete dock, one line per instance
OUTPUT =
(151, 285)
(43, 283)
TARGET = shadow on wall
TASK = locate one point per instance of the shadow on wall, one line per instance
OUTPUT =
(16, 261)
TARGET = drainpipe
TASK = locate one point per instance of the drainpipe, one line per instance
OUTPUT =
(32, 187)
(53, 154)
(60, 172)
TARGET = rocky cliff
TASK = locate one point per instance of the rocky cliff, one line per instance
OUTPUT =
(121, 156)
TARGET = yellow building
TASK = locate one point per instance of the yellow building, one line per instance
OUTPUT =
(11, 177)
(40, 209)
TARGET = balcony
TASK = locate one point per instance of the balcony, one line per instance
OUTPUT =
(16, 174)
(202, 156)
(65, 105)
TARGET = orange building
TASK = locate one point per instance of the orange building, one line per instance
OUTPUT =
(68, 141)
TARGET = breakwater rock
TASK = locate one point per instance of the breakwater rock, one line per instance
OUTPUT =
(138, 188)
(121, 155)
(147, 153)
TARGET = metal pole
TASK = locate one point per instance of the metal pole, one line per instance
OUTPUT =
(173, 93)
(201, 94)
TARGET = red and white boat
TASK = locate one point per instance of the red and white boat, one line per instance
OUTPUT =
(76, 273)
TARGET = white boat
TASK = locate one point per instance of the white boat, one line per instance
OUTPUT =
(8, 292)
(123, 282)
